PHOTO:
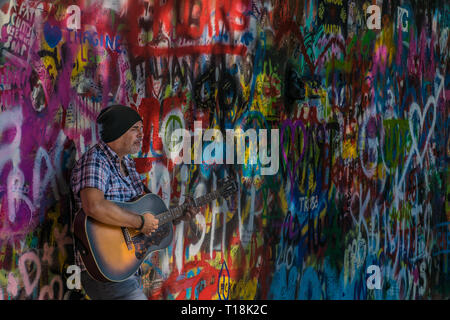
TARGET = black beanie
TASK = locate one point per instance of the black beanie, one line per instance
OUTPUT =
(114, 121)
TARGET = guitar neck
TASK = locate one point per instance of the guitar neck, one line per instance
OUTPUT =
(175, 213)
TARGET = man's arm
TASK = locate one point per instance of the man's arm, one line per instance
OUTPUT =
(96, 206)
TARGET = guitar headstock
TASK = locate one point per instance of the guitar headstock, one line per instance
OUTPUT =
(228, 186)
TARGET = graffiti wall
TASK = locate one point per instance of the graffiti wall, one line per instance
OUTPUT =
(356, 90)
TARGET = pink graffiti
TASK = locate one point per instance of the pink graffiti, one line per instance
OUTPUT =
(47, 255)
(62, 239)
(33, 259)
(48, 290)
(13, 285)
(380, 58)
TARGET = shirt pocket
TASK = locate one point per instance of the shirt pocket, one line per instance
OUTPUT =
(120, 192)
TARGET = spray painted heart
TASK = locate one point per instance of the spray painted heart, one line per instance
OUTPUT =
(416, 139)
(414, 108)
(52, 34)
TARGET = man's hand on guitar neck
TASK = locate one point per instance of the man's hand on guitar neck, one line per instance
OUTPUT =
(188, 213)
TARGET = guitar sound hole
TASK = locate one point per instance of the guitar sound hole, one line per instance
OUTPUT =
(142, 242)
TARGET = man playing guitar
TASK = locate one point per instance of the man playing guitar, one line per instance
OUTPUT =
(106, 173)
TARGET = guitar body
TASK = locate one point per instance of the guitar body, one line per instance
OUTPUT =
(104, 249)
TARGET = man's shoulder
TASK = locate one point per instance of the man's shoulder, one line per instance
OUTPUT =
(93, 154)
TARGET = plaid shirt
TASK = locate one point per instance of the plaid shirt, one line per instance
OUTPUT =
(99, 168)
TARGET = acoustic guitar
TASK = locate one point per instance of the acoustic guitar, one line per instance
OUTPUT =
(113, 254)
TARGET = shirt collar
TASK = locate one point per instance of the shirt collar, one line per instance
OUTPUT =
(111, 153)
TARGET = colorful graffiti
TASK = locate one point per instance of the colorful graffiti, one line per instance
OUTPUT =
(361, 106)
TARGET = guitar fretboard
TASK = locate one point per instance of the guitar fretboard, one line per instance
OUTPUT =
(177, 212)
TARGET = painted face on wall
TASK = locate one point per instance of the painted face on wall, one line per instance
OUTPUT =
(38, 97)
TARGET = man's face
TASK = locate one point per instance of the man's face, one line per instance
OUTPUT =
(131, 141)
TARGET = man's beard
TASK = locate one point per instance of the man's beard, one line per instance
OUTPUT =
(136, 147)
